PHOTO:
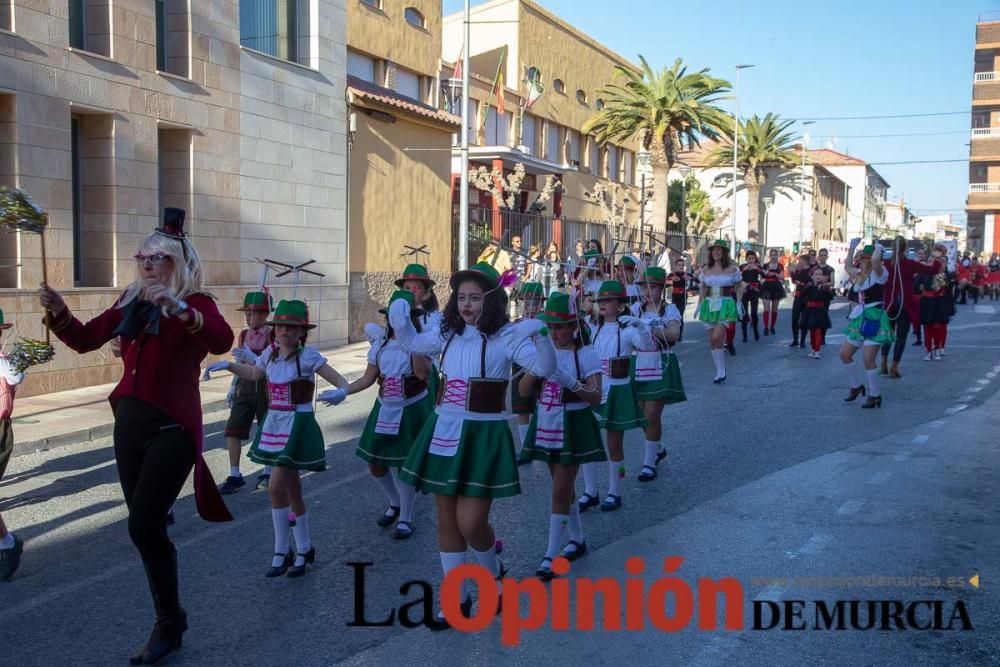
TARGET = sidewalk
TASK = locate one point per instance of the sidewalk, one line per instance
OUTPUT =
(80, 415)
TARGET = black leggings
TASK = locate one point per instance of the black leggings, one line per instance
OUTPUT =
(155, 456)
(798, 307)
(751, 301)
(902, 329)
(680, 301)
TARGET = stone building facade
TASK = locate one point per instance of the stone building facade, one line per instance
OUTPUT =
(234, 110)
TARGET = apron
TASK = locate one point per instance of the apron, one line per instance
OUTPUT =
(281, 411)
(649, 365)
(550, 421)
(448, 427)
(392, 402)
(606, 366)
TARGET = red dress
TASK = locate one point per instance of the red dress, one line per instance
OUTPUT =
(164, 370)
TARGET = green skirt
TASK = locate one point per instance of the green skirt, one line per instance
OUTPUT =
(581, 438)
(483, 464)
(621, 412)
(727, 313)
(433, 383)
(669, 389)
(391, 450)
(885, 332)
(305, 449)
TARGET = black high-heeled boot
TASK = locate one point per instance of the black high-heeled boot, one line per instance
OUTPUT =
(855, 392)
(171, 619)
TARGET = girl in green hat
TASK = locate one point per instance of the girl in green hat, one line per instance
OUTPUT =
(868, 327)
(657, 373)
(719, 302)
(616, 336)
(564, 431)
(290, 439)
(465, 454)
(403, 405)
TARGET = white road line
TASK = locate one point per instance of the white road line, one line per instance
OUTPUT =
(937, 423)
(838, 305)
(879, 477)
(983, 382)
(956, 409)
(771, 593)
(997, 368)
(902, 456)
(986, 310)
(850, 507)
(991, 375)
(920, 439)
(975, 389)
(965, 399)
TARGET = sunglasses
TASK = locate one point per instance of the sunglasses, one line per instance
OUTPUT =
(155, 259)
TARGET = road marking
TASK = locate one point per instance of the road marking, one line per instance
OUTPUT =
(850, 507)
(986, 310)
(975, 389)
(902, 456)
(879, 477)
(965, 399)
(983, 382)
(816, 544)
(997, 368)
(921, 439)
(956, 409)
(991, 375)
(838, 305)
(771, 593)
(937, 423)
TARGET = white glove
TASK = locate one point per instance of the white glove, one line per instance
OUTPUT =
(563, 378)
(374, 332)
(632, 321)
(244, 356)
(399, 315)
(214, 368)
(522, 330)
(335, 396)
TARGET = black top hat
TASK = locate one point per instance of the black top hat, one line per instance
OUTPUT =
(173, 223)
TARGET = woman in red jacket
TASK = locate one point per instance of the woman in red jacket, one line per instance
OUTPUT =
(167, 325)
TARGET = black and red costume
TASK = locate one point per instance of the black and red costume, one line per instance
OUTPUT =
(753, 276)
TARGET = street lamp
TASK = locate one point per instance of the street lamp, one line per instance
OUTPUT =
(685, 170)
(768, 201)
(736, 140)
(642, 158)
(802, 183)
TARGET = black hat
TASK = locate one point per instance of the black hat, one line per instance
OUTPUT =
(173, 223)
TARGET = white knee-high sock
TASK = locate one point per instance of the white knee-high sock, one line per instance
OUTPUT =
(449, 561)
(557, 528)
(488, 559)
(279, 518)
(590, 479)
(388, 484)
(303, 540)
(407, 494)
(853, 374)
(574, 527)
(874, 382)
(522, 430)
(617, 470)
(719, 357)
(649, 457)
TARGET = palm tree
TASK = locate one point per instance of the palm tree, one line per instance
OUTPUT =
(662, 109)
(764, 142)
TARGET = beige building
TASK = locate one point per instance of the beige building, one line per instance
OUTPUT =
(112, 109)
(527, 42)
(399, 156)
(983, 203)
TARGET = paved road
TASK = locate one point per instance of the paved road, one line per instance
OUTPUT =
(770, 475)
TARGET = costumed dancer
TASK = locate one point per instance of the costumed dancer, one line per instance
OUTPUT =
(829, 275)
(523, 397)
(403, 405)
(465, 453)
(679, 281)
(934, 307)
(719, 301)
(772, 290)
(11, 546)
(564, 431)
(868, 327)
(814, 318)
(657, 371)
(616, 336)
(800, 276)
(167, 324)
(247, 400)
(626, 272)
(290, 439)
(902, 305)
(752, 275)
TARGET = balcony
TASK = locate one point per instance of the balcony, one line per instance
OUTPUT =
(988, 32)
(984, 196)
(985, 76)
(985, 144)
(986, 91)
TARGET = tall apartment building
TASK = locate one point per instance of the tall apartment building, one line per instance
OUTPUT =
(526, 42)
(983, 204)
(111, 110)
(399, 156)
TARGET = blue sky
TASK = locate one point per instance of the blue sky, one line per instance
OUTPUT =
(840, 58)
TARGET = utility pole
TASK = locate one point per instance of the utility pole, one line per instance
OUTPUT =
(736, 142)
(463, 185)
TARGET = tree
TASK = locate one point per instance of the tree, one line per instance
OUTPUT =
(662, 109)
(702, 217)
(764, 143)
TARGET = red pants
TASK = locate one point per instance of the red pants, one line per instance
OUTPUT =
(935, 336)
(816, 338)
(730, 333)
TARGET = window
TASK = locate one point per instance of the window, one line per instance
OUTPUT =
(573, 148)
(92, 169)
(172, 37)
(529, 134)
(613, 174)
(377, 4)
(408, 83)
(627, 162)
(599, 104)
(473, 122)
(534, 74)
(174, 168)
(269, 26)
(414, 17)
(559, 86)
(554, 153)
(595, 157)
(361, 66)
(90, 26)
(6, 7)
(581, 97)
(497, 128)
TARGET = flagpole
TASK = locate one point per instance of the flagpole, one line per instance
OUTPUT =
(463, 186)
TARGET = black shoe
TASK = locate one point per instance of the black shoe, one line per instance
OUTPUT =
(918, 343)
(611, 503)
(166, 637)
(404, 531)
(544, 571)
(300, 570)
(660, 455)
(720, 380)
(872, 402)
(647, 474)
(794, 343)
(263, 481)
(586, 501)
(732, 349)
(232, 485)
(579, 550)
(744, 338)
(10, 559)
(767, 332)
(442, 624)
(280, 570)
(855, 392)
(756, 335)
(389, 518)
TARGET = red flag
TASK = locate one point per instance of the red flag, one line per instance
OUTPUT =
(457, 73)
(500, 101)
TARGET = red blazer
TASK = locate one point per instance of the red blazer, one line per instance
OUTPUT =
(908, 270)
(164, 371)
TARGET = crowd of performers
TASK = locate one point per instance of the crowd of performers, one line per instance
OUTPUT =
(579, 368)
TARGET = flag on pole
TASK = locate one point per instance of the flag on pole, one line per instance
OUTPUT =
(500, 101)
(457, 73)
